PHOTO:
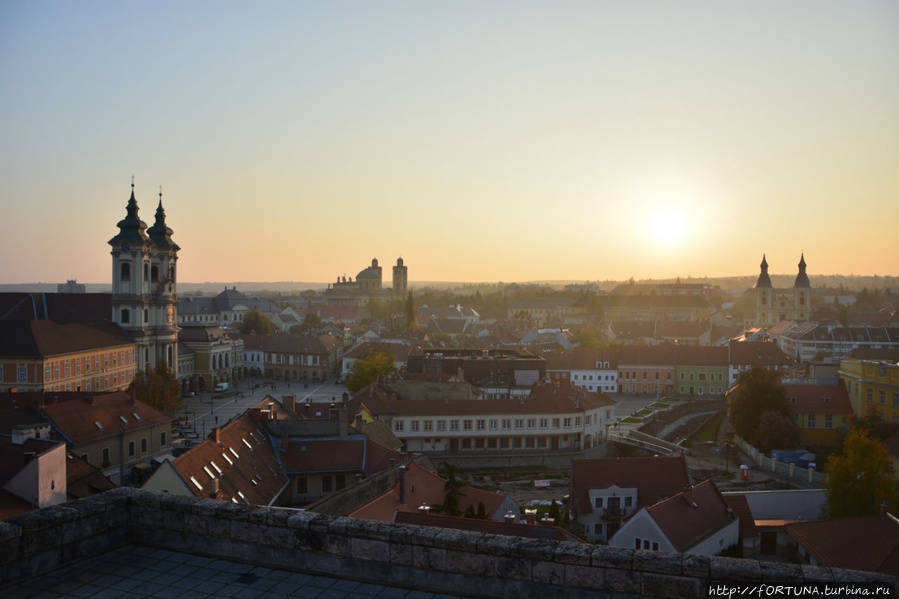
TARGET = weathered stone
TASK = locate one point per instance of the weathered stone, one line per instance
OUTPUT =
(338, 526)
(456, 539)
(613, 557)
(400, 554)
(545, 572)
(695, 565)
(469, 562)
(205, 507)
(197, 524)
(658, 561)
(429, 558)
(624, 581)
(816, 573)
(300, 520)
(568, 552)
(370, 549)
(277, 536)
(734, 569)
(515, 568)
(494, 545)
(584, 577)
(537, 549)
(662, 585)
(780, 572)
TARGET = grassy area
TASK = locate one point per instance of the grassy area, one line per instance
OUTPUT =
(709, 432)
(631, 420)
(644, 412)
(659, 405)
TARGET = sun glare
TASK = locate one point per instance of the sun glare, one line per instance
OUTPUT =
(668, 226)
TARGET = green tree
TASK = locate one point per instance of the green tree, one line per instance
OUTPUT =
(255, 321)
(374, 361)
(775, 432)
(158, 388)
(759, 391)
(482, 511)
(378, 310)
(452, 487)
(411, 324)
(312, 320)
(859, 480)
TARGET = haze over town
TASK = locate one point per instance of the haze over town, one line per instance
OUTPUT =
(481, 142)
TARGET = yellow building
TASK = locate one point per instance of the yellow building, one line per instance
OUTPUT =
(775, 305)
(873, 387)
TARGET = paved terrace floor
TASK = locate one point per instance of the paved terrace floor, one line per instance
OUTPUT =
(146, 572)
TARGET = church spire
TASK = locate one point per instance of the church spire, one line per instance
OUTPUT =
(132, 230)
(802, 277)
(764, 280)
(160, 234)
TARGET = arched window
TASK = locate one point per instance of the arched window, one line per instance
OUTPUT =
(146, 271)
(125, 272)
(154, 273)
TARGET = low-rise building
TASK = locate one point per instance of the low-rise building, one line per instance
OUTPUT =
(32, 469)
(821, 409)
(743, 355)
(217, 357)
(873, 386)
(294, 357)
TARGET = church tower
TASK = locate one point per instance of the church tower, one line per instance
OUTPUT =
(775, 305)
(400, 278)
(144, 298)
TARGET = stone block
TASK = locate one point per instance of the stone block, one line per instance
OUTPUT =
(537, 549)
(197, 523)
(456, 539)
(569, 552)
(657, 561)
(514, 568)
(624, 581)
(205, 507)
(816, 574)
(662, 585)
(494, 545)
(279, 537)
(546, 572)
(172, 520)
(231, 511)
(619, 558)
(732, 569)
(218, 527)
(310, 539)
(370, 549)
(301, 520)
(429, 558)
(469, 562)
(404, 533)
(584, 577)
(696, 565)
(244, 532)
(780, 572)
(400, 554)
(278, 516)
(177, 503)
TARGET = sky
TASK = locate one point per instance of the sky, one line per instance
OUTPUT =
(479, 141)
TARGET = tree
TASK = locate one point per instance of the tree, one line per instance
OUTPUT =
(775, 432)
(374, 361)
(255, 321)
(158, 388)
(453, 489)
(759, 391)
(410, 313)
(378, 310)
(859, 480)
(312, 320)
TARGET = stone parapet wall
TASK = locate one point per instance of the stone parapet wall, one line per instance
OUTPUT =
(433, 559)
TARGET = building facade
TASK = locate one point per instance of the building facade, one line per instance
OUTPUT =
(774, 305)
(873, 387)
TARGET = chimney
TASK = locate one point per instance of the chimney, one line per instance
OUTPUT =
(215, 489)
(20, 434)
(342, 421)
(217, 435)
(289, 402)
(547, 521)
(402, 484)
(509, 517)
(424, 509)
(530, 516)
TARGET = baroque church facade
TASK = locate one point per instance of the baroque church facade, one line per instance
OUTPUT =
(774, 305)
(144, 286)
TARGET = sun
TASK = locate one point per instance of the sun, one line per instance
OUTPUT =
(668, 225)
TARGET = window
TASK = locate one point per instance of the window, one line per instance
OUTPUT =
(466, 425)
(126, 316)
(828, 421)
(577, 421)
(896, 400)
(519, 424)
(441, 425)
(493, 424)
(105, 457)
(628, 501)
(870, 395)
(507, 424)
(588, 419)
(883, 397)
(162, 439)
(544, 423)
(532, 423)
(326, 484)
(69, 370)
(567, 423)
(413, 426)
(811, 421)
(131, 447)
(597, 528)
(143, 445)
(398, 425)
(302, 488)
(22, 373)
(125, 271)
(556, 423)
(481, 424)
(428, 425)
(454, 425)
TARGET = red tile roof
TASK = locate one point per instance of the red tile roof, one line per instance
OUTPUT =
(422, 487)
(819, 399)
(43, 338)
(740, 506)
(692, 515)
(659, 355)
(761, 353)
(100, 415)
(868, 543)
(654, 478)
(348, 454)
(243, 462)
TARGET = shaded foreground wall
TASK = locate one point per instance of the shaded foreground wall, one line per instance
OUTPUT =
(417, 557)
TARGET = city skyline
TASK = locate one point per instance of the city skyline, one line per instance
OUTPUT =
(479, 142)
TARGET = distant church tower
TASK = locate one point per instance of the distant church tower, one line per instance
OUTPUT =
(400, 278)
(774, 305)
(144, 296)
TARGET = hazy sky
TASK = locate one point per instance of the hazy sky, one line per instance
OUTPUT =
(480, 141)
